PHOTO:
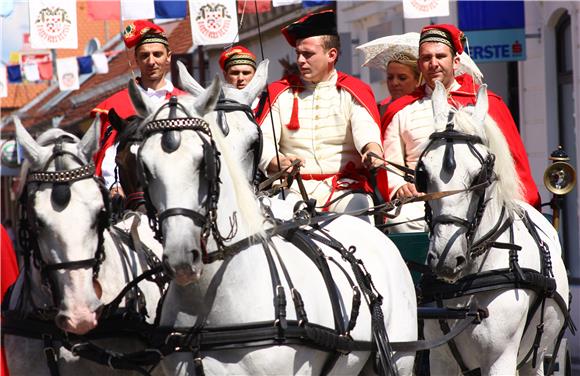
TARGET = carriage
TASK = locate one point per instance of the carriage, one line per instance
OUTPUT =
(348, 284)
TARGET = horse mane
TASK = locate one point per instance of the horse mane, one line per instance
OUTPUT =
(247, 201)
(508, 187)
(130, 131)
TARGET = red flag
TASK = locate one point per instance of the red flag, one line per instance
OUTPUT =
(45, 70)
(104, 10)
(251, 6)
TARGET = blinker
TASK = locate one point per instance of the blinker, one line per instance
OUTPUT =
(171, 140)
(60, 194)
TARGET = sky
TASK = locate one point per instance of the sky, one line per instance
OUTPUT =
(13, 27)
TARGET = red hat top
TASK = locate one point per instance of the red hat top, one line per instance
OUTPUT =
(237, 55)
(447, 34)
(311, 25)
(142, 31)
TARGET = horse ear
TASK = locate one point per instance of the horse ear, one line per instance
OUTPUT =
(481, 105)
(90, 141)
(32, 150)
(256, 85)
(207, 100)
(440, 105)
(187, 82)
(116, 121)
(142, 103)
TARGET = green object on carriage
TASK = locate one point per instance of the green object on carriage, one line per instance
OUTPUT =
(413, 247)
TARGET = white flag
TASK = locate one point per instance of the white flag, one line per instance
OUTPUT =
(67, 70)
(213, 22)
(3, 81)
(53, 24)
(101, 63)
(425, 8)
(137, 9)
(31, 72)
(281, 3)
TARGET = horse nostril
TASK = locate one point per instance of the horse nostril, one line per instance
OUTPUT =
(167, 268)
(196, 256)
(460, 261)
(61, 321)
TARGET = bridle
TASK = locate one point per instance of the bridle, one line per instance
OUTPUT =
(210, 171)
(224, 106)
(479, 185)
(61, 180)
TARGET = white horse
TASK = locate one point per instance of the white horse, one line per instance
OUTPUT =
(61, 281)
(464, 243)
(238, 291)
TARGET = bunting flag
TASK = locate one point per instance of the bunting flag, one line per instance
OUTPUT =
(3, 81)
(315, 3)
(101, 63)
(104, 9)
(67, 70)
(170, 8)
(147, 9)
(251, 7)
(213, 22)
(137, 9)
(425, 8)
(31, 72)
(45, 70)
(6, 7)
(53, 24)
(85, 64)
(14, 73)
(281, 3)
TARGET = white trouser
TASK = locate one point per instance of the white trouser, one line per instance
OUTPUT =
(409, 212)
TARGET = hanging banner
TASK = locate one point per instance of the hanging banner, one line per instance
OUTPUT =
(425, 8)
(67, 70)
(281, 3)
(53, 24)
(213, 22)
(137, 9)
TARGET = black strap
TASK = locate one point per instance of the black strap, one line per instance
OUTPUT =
(51, 355)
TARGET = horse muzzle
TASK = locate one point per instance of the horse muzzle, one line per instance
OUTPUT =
(184, 273)
(448, 268)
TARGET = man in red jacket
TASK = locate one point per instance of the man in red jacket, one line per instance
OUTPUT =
(153, 57)
(325, 119)
(408, 121)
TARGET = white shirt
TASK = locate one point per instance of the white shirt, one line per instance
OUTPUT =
(334, 128)
(108, 166)
(407, 133)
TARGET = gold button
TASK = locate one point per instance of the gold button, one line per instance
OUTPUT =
(316, 117)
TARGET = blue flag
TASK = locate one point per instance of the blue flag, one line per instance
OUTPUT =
(14, 74)
(85, 64)
(170, 8)
(315, 3)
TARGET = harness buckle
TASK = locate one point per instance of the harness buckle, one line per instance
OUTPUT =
(49, 351)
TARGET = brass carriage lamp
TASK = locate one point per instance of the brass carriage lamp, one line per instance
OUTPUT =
(560, 179)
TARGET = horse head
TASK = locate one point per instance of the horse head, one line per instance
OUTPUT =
(460, 155)
(129, 138)
(180, 179)
(65, 215)
(233, 115)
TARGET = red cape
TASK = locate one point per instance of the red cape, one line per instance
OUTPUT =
(498, 111)
(9, 273)
(358, 89)
(122, 104)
